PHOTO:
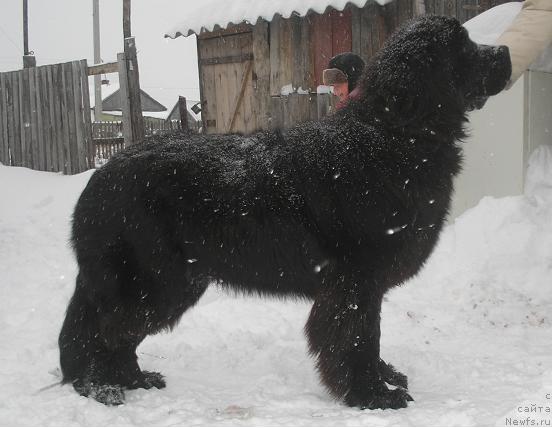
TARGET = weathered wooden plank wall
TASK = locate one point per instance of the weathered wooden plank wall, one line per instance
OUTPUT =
(291, 62)
(261, 74)
(45, 118)
(296, 108)
(373, 24)
(287, 54)
(4, 146)
(331, 34)
(300, 48)
(463, 10)
(290, 53)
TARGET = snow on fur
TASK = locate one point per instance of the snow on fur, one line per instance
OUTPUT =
(472, 331)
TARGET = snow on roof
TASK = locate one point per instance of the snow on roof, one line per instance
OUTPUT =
(206, 14)
(488, 26)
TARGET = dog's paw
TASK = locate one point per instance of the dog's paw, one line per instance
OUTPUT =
(382, 399)
(147, 380)
(392, 376)
(153, 380)
(110, 395)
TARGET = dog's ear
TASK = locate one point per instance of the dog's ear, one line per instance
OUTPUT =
(400, 91)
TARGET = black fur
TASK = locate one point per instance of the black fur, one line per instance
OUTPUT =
(338, 211)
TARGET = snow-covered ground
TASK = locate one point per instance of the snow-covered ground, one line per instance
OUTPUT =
(473, 331)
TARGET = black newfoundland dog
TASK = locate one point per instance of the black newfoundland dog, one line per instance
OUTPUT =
(337, 211)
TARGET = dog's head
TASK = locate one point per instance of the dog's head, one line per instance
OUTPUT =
(428, 66)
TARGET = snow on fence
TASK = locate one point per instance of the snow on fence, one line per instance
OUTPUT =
(45, 118)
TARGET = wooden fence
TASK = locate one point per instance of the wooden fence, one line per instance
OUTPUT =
(107, 129)
(107, 147)
(45, 118)
(156, 126)
(152, 126)
(108, 136)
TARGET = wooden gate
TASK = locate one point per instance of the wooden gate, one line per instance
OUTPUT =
(45, 121)
(227, 83)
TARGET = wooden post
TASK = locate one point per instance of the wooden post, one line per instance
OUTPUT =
(126, 19)
(125, 100)
(104, 68)
(25, 27)
(129, 83)
(97, 60)
(183, 113)
(5, 148)
(28, 59)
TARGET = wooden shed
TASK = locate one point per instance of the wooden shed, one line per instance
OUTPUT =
(269, 74)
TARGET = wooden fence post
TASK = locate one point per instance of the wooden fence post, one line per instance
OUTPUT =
(129, 83)
(5, 157)
(126, 19)
(125, 102)
(29, 61)
(183, 113)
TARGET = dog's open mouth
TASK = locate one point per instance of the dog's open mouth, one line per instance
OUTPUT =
(477, 103)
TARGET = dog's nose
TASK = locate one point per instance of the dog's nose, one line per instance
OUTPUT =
(502, 50)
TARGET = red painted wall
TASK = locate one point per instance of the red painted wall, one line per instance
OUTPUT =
(331, 34)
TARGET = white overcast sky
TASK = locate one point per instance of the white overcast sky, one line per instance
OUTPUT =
(61, 30)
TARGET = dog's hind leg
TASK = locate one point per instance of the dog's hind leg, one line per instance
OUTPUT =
(97, 354)
(82, 354)
(343, 330)
(105, 324)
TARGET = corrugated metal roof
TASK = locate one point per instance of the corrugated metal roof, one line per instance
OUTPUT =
(207, 14)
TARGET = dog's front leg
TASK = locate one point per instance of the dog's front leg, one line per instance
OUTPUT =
(343, 330)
